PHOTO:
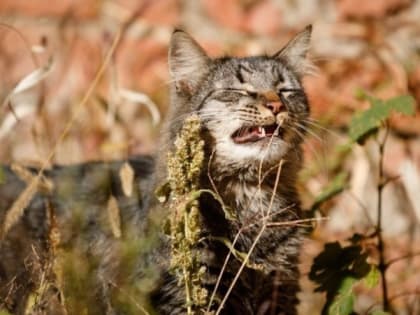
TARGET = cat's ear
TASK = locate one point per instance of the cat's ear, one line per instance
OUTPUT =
(188, 63)
(295, 51)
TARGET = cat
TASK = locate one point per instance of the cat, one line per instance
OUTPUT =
(76, 209)
(253, 113)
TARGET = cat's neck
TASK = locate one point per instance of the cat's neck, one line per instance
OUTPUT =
(255, 191)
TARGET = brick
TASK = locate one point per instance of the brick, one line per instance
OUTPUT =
(264, 19)
(142, 64)
(163, 12)
(83, 9)
(363, 9)
(228, 14)
(155, 12)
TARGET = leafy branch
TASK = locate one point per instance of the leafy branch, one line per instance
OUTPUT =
(338, 268)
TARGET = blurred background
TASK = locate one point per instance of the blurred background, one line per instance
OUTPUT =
(50, 52)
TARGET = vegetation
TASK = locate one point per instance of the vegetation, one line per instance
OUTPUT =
(184, 169)
(70, 94)
(338, 268)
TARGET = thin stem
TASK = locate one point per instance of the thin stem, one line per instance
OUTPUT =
(219, 278)
(393, 261)
(381, 246)
(26, 195)
(251, 249)
(254, 244)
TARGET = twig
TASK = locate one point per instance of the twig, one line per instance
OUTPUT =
(362, 206)
(382, 266)
(251, 249)
(26, 196)
(235, 239)
(392, 261)
(394, 297)
(260, 177)
(132, 299)
(295, 222)
(219, 278)
(24, 40)
(257, 238)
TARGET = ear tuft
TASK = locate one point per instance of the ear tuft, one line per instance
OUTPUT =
(295, 51)
(188, 63)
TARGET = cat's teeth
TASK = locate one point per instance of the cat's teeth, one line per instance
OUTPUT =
(276, 132)
(261, 131)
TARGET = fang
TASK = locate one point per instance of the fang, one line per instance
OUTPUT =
(262, 131)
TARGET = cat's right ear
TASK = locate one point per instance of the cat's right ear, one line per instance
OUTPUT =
(188, 63)
(295, 51)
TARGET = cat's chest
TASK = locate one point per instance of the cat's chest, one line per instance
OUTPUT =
(252, 200)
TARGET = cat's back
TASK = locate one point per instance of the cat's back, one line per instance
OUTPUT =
(88, 204)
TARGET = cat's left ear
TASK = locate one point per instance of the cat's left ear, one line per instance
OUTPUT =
(295, 51)
(188, 63)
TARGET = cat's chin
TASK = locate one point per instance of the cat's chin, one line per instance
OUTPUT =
(269, 150)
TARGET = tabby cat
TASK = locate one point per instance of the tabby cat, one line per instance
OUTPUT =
(253, 112)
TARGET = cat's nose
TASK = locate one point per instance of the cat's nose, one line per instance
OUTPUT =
(272, 101)
(275, 106)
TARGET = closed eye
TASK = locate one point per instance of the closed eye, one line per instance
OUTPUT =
(226, 95)
(289, 90)
(284, 93)
(232, 95)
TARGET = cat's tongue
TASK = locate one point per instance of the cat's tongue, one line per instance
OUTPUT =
(253, 134)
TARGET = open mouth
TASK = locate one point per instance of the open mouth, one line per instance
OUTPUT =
(256, 133)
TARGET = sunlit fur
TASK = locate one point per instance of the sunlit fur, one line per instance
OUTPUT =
(228, 94)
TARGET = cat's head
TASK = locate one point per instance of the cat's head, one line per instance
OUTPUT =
(252, 109)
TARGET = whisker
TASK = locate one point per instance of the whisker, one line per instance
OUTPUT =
(319, 155)
(306, 129)
(305, 140)
(316, 124)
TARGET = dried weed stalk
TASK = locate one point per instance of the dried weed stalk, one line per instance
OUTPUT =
(184, 168)
(16, 211)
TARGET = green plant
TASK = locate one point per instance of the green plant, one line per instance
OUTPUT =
(338, 268)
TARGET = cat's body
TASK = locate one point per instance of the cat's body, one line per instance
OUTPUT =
(78, 202)
(253, 113)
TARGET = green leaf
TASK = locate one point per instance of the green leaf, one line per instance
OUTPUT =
(366, 123)
(332, 189)
(372, 278)
(333, 268)
(344, 300)
(335, 263)
(404, 104)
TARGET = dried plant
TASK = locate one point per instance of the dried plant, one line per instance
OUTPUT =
(184, 169)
